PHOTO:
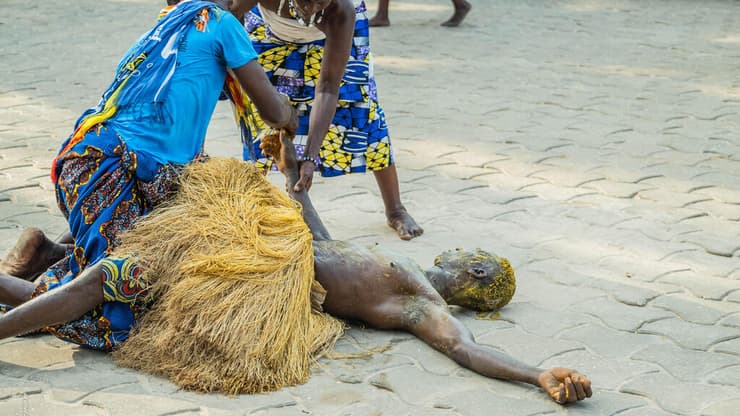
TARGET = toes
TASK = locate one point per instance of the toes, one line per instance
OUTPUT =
(407, 233)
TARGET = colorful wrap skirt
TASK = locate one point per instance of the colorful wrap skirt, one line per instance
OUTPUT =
(102, 188)
(357, 139)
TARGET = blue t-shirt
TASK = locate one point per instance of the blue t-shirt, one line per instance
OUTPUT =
(202, 58)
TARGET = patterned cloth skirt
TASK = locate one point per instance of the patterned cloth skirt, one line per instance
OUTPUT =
(357, 139)
(102, 188)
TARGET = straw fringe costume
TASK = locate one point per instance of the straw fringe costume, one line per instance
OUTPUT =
(357, 139)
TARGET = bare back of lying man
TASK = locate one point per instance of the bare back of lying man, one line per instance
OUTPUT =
(387, 292)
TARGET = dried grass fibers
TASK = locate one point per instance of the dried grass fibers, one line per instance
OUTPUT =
(230, 264)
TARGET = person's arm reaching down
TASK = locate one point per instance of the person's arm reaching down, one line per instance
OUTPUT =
(274, 108)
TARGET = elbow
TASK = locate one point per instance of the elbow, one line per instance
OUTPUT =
(272, 121)
(328, 86)
(277, 118)
(458, 350)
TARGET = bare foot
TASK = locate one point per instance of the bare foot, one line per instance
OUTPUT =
(379, 21)
(405, 226)
(461, 10)
(32, 254)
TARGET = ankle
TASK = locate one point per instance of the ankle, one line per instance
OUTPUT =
(395, 211)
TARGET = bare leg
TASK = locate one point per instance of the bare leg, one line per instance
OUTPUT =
(32, 254)
(398, 218)
(381, 16)
(462, 8)
(64, 304)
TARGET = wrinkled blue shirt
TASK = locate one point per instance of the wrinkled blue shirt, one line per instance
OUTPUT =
(174, 132)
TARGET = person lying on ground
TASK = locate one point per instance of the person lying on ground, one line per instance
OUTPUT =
(388, 291)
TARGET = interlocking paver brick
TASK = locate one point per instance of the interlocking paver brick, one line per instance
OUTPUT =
(723, 408)
(11, 387)
(552, 296)
(729, 347)
(481, 401)
(728, 376)
(528, 347)
(406, 383)
(684, 364)
(610, 403)
(702, 286)
(37, 404)
(540, 321)
(608, 373)
(693, 310)
(606, 342)
(688, 335)
(677, 397)
(646, 411)
(620, 316)
(731, 320)
(127, 400)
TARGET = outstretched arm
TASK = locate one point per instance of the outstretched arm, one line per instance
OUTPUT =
(283, 152)
(434, 325)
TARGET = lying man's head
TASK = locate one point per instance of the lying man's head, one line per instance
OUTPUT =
(478, 280)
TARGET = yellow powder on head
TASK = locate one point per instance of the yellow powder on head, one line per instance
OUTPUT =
(491, 296)
(231, 266)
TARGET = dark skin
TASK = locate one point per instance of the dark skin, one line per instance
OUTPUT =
(462, 8)
(384, 290)
(337, 24)
(388, 291)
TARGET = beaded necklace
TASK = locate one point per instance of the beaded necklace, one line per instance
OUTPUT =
(312, 20)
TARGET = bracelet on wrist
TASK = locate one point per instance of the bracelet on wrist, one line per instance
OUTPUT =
(307, 158)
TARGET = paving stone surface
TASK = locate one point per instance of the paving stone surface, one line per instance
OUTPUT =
(594, 143)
